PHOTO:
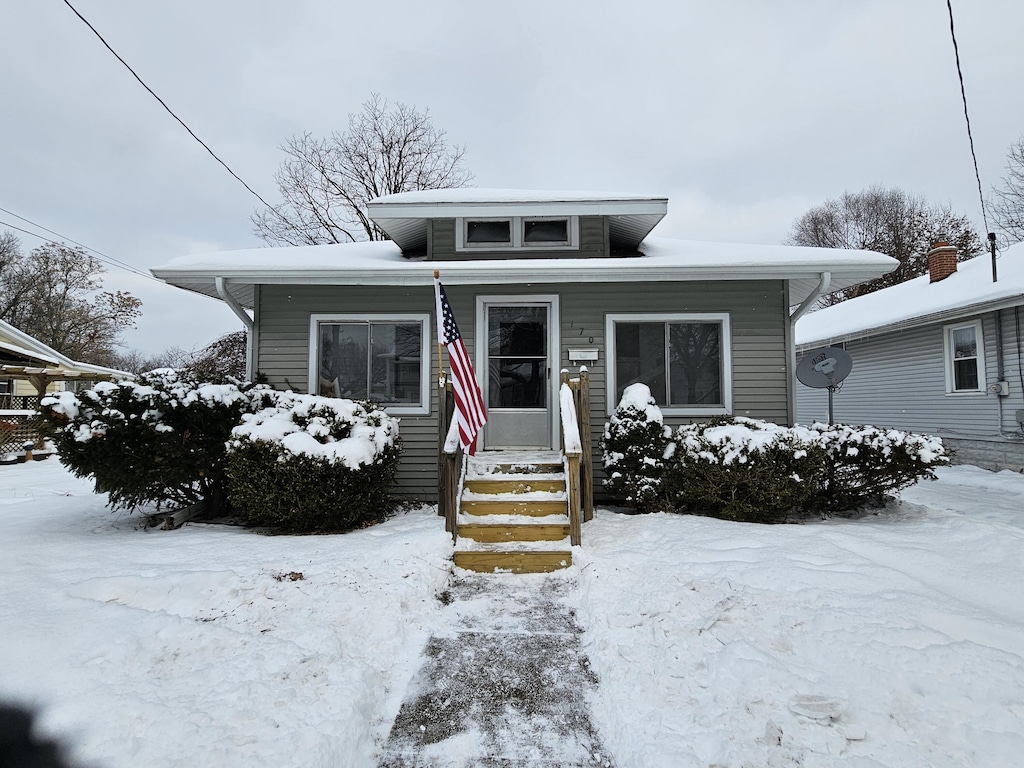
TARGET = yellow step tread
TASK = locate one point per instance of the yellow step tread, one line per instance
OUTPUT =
(514, 532)
(513, 562)
(519, 485)
(506, 507)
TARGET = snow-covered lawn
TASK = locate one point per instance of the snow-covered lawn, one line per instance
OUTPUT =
(197, 646)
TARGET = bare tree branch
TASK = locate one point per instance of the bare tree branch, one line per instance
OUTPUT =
(1008, 205)
(325, 183)
(889, 221)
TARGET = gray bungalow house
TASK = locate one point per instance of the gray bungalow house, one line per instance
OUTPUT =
(538, 282)
(940, 354)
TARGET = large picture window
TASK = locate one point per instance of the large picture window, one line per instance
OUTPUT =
(965, 358)
(685, 360)
(371, 358)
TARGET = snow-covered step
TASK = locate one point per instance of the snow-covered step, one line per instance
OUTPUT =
(507, 532)
(513, 561)
(504, 505)
(496, 484)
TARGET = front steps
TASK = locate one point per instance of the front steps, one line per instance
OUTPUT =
(513, 514)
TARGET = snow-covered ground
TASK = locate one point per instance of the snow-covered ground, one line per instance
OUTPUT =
(715, 643)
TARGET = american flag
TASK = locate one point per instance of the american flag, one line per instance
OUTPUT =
(469, 402)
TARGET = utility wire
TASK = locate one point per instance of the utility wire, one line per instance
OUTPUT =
(103, 257)
(967, 117)
(169, 110)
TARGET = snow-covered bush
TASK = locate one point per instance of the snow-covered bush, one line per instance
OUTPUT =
(867, 463)
(157, 440)
(744, 469)
(635, 446)
(311, 463)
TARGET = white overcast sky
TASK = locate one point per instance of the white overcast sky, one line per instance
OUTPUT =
(744, 113)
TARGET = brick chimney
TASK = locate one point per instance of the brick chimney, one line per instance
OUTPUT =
(941, 261)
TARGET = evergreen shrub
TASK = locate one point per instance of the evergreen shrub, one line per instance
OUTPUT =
(311, 463)
(744, 469)
(754, 471)
(634, 446)
(157, 440)
(866, 464)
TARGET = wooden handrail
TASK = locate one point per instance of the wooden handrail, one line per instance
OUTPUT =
(449, 457)
(572, 449)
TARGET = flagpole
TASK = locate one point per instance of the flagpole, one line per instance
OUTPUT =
(440, 364)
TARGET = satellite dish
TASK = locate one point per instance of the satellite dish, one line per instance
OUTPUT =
(824, 368)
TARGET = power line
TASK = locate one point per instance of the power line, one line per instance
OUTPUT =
(100, 256)
(164, 105)
(103, 257)
(967, 117)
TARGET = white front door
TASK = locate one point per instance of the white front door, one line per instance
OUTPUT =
(518, 349)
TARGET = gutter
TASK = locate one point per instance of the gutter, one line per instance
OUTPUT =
(222, 291)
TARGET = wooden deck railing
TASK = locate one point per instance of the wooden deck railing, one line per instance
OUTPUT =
(574, 404)
(449, 457)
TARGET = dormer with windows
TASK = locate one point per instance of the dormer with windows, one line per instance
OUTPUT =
(473, 224)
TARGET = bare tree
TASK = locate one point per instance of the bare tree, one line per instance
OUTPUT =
(1008, 205)
(889, 221)
(326, 183)
(54, 294)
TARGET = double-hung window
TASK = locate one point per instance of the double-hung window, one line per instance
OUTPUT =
(684, 359)
(965, 358)
(372, 357)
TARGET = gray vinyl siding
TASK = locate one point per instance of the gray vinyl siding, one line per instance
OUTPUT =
(593, 243)
(899, 380)
(757, 311)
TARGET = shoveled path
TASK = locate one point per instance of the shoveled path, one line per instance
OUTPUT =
(505, 687)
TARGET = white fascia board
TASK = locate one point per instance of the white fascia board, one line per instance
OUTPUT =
(610, 207)
(945, 316)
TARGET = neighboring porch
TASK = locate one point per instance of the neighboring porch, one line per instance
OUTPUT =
(518, 511)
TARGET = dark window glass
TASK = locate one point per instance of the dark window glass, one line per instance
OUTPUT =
(517, 351)
(965, 358)
(376, 361)
(693, 373)
(640, 358)
(499, 232)
(556, 231)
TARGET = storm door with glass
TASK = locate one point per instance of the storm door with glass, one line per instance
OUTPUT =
(517, 383)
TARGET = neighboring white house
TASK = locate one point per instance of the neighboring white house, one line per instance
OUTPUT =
(538, 281)
(940, 354)
(28, 366)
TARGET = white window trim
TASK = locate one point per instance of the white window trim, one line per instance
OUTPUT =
(516, 228)
(423, 409)
(725, 409)
(947, 353)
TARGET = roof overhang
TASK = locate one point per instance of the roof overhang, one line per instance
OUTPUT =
(944, 316)
(406, 217)
(381, 263)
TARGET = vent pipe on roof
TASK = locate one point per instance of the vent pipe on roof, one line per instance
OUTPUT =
(992, 248)
(941, 261)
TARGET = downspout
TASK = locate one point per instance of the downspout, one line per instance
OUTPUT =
(231, 301)
(824, 281)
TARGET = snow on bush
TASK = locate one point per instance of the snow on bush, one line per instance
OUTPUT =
(157, 440)
(744, 469)
(756, 471)
(309, 463)
(635, 445)
(867, 463)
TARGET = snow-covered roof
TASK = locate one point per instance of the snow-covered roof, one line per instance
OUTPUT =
(471, 195)
(660, 260)
(20, 341)
(916, 302)
(405, 216)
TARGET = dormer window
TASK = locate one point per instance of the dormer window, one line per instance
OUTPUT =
(552, 233)
(488, 232)
(545, 231)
